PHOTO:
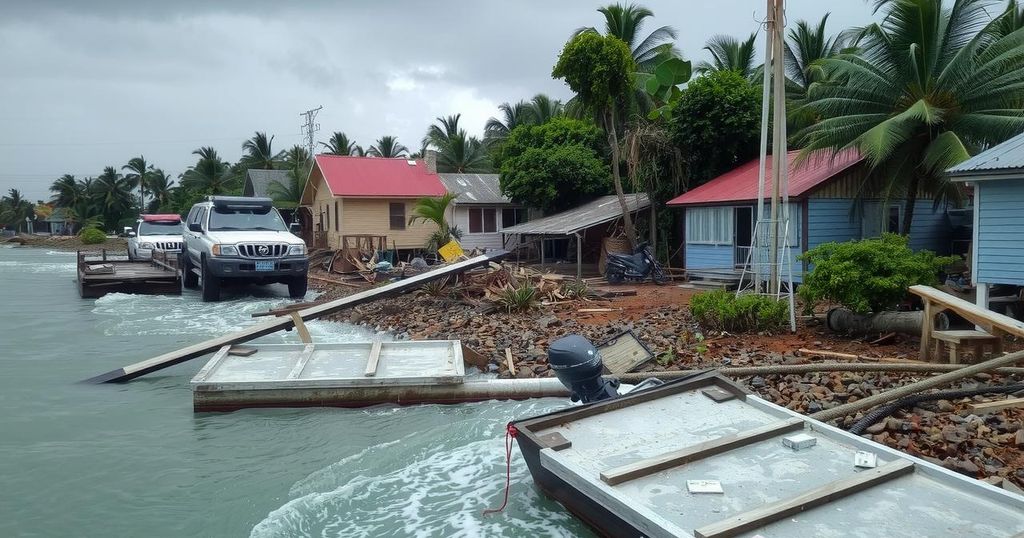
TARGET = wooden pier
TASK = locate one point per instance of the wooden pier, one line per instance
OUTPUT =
(100, 273)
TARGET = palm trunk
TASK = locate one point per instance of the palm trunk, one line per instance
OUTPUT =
(911, 201)
(613, 140)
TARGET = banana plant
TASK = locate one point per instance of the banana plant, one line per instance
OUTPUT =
(662, 85)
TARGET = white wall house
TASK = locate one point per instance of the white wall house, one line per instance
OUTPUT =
(481, 212)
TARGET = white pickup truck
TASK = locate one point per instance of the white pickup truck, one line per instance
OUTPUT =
(154, 232)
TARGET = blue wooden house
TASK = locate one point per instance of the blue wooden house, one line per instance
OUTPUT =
(997, 176)
(720, 215)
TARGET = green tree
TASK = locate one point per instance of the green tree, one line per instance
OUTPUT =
(259, 152)
(210, 174)
(67, 191)
(388, 147)
(512, 116)
(161, 188)
(931, 84)
(138, 174)
(456, 151)
(554, 166)
(730, 54)
(435, 210)
(14, 209)
(600, 70)
(544, 109)
(339, 144)
(112, 197)
(298, 163)
(716, 124)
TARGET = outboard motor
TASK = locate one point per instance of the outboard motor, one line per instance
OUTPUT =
(578, 366)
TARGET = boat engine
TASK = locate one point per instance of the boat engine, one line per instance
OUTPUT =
(577, 363)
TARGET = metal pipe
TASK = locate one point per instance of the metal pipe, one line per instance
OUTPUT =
(469, 391)
(763, 155)
(579, 257)
(786, 369)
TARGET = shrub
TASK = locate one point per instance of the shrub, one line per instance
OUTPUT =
(870, 275)
(575, 289)
(722, 310)
(521, 298)
(92, 236)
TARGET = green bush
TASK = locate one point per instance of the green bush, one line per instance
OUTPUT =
(722, 310)
(92, 236)
(521, 298)
(870, 275)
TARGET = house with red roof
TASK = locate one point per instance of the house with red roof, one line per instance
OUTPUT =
(347, 195)
(825, 204)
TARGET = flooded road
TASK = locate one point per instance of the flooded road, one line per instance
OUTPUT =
(134, 460)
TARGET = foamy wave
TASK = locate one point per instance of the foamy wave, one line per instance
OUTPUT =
(447, 477)
(7, 266)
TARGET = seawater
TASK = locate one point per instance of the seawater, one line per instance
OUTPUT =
(134, 460)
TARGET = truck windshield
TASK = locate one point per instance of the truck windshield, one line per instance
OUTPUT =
(159, 228)
(246, 219)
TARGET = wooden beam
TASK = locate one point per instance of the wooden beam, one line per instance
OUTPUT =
(639, 469)
(371, 364)
(300, 327)
(970, 311)
(758, 517)
(998, 405)
(511, 364)
(160, 362)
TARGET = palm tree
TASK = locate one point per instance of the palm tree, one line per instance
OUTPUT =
(339, 144)
(626, 23)
(513, 115)
(387, 146)
(442, 131)
(138, 174)
(210, 174)
(456, 151)
(161, 187)
(544, 109)
(929, 87)
(67, 191)
(298, 162)
(730, 54)
(1012, 19)
(15, 208)
(112, 196)
(435, 210)
(259, 152)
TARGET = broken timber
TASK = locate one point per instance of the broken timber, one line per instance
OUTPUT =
(197, 350)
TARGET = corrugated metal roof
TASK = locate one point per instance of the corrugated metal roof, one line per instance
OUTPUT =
(599, 211)
(378, 177)
(258, 181)
(475, 188)
(1004, 158)
(740, 183)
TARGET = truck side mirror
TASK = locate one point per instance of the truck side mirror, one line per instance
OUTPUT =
(195, 227)
(295, 227)
(131, 234)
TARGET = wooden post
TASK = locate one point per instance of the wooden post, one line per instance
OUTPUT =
(300, 327)
(926, 330)
(510, 362)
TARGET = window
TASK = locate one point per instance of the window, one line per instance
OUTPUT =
(397, 213)
(512, 216)
(247, 219)
(709, 225)
(483, 220)
(893, 223)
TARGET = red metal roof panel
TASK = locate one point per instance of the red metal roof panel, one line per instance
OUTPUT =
(740, 183)
(378, 177)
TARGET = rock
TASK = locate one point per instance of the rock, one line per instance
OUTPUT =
(962, 466)
(813, 407)
(945, 406)
(548, 321)
(1018, 440)
(757, 382)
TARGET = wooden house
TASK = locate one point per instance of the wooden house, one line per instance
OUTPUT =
(720, 215)
(347, 195)
(481, 211)
(997, 176)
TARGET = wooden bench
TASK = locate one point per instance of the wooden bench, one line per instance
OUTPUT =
(994, 325)
(953, 340)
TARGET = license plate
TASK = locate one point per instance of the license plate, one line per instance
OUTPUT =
(264, 266)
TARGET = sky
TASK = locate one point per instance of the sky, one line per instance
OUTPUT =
(88, 84)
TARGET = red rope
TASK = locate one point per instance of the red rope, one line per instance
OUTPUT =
(510, 435)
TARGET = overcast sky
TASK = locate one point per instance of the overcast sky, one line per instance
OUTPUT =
(93, 83)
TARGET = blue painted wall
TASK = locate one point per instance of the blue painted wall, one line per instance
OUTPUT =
(1000, 249)
(709, 256)
(829, 220)
(930, 229)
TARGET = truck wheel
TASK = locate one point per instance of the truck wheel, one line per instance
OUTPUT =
(211, 285)
(189, 279)
(130, 257)
(297, 287)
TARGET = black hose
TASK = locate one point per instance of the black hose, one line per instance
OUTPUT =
(882, 412)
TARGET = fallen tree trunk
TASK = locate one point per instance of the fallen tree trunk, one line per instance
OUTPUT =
(844, 321)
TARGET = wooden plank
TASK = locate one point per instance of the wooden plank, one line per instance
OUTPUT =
(300, 327)
(971, 311)
(371, 363)
(300, 365)
(758, 517)
(998, 405)
(509, 362)
(241, 351)
(926, 330)
(165, 360)
(675, 458)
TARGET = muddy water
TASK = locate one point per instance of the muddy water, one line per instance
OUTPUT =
(133, 459)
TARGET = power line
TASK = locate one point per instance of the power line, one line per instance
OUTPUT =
(310, 128)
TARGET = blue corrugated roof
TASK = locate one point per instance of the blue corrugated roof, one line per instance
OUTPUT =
(1004, 158)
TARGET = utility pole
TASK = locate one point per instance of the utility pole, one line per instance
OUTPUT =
(310, 128)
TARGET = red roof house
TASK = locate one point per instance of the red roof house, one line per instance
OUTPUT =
(347, 195)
